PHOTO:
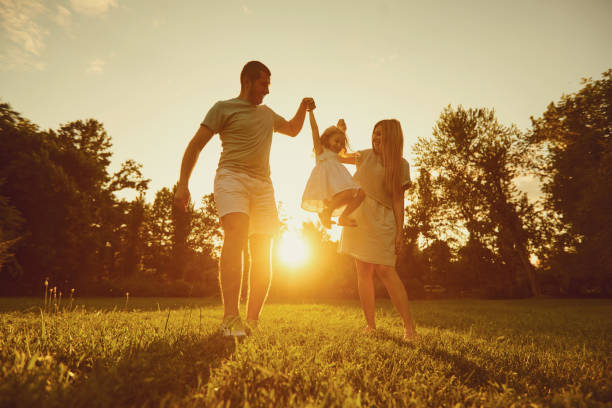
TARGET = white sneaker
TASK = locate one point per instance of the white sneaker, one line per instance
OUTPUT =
(232, 326)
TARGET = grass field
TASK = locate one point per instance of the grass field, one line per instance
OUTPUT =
(166, 353)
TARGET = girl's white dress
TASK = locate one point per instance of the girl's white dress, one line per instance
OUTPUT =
(328, 178)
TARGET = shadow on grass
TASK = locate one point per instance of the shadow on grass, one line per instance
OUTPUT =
(530, 376)
(147, 376)
(468, 372)
(465, 370)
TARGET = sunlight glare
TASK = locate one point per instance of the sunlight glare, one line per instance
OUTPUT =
(292, 250)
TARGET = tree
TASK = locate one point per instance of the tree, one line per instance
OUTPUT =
(206, 235)
(423, 211)
(159, 232)
(573, 137)
(42, 192)
(133, 243)
(204, 242)
(180, 245)
(438, 255)
(11, 222)
(475, 160)
(101, 223)
(59, 182)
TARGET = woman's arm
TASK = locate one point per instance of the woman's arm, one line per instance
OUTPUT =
(349, 158)
(398, 212)
(316, 140)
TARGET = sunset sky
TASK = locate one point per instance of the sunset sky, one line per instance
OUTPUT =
(149, 70)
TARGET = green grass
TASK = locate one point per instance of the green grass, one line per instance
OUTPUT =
(165, 353)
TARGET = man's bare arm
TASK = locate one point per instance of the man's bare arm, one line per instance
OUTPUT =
(190, 157)
(294, 126)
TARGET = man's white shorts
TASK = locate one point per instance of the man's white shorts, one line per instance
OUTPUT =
(239, 192)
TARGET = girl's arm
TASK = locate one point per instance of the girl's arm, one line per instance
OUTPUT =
(346, 158)
(316, 140)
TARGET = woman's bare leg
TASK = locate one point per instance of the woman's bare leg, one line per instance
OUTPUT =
(365, 283)
(388, 275)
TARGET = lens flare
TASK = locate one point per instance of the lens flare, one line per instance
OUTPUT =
(293, 251)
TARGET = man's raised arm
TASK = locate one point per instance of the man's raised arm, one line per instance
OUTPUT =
(190, 157)
(294, 126)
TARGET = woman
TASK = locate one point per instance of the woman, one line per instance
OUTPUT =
(377, 239)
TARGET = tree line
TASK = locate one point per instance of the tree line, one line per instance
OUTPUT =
(61, 219)
(469, 230)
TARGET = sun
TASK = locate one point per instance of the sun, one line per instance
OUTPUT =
(292, 250)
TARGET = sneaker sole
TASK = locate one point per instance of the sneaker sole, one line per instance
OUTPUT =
(230, 333)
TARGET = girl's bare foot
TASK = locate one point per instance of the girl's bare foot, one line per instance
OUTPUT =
(346, 221)
(325, 218)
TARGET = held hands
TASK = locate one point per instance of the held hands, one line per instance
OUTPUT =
(308, 104)
(341, 125)
(182, 197)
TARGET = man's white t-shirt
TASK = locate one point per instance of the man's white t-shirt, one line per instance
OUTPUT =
(246, 135)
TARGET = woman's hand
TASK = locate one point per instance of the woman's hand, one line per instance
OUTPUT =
(399, 243)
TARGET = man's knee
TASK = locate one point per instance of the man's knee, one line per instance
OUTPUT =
(235, 227)
(260, 248)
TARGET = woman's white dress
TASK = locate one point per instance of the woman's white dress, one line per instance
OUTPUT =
(328, 178)
(373, 239)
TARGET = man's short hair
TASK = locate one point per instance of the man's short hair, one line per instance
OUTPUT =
(251, 71)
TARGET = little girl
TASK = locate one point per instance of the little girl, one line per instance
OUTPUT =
(330, 186)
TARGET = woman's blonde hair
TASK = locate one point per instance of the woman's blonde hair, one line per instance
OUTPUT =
(391, 149)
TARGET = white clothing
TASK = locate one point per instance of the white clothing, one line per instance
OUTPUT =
(239, 192)
(328, 178)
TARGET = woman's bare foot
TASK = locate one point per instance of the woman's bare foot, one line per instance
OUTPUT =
(410, 335)
(346, 221)
(368, 330)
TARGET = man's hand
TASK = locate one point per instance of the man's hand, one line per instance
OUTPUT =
(182, 197)
(294, 126)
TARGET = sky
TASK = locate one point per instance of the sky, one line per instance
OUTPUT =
(149, 70)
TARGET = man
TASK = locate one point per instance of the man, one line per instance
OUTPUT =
(243, 190)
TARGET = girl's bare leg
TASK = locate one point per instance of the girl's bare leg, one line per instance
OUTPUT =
(325, 218)
(358, 197)
(365, 283)
(388, 275)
